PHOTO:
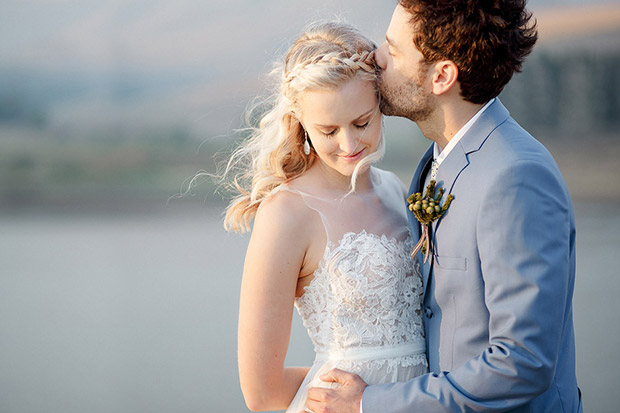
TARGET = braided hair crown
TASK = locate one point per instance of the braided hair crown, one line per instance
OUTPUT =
(327, 55)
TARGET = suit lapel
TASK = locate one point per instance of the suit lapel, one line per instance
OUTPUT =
(457, 160)
(450, 169)
(447, 175)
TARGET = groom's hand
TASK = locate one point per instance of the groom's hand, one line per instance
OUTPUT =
(344, 399)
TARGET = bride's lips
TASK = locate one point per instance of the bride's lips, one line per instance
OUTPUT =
(352, 158)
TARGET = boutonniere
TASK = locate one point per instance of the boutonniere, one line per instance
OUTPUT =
(426, 210)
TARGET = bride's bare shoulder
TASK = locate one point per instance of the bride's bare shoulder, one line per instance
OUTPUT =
(286, 210)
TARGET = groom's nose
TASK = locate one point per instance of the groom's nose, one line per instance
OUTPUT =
(380, 55)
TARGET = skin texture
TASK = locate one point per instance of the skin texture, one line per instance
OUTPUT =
(288, 240)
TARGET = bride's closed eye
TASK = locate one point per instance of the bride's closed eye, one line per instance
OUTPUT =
(333, 132)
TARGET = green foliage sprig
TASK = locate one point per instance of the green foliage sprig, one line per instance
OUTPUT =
(427, 208)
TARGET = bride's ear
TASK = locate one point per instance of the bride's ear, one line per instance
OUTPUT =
(293, 119)
(291, 122)
(289, 119)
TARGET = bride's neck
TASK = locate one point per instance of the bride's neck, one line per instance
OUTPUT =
(335, 181)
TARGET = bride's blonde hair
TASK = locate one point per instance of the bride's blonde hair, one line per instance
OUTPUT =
(325, 56)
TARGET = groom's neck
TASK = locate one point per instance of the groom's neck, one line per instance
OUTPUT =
(447, 119)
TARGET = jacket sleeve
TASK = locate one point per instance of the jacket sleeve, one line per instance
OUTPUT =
(523, 239)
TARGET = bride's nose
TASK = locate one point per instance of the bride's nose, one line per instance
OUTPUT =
(349, 141)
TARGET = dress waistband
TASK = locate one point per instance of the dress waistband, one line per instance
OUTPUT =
(375, 352)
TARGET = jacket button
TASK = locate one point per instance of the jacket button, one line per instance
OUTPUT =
(428, 312)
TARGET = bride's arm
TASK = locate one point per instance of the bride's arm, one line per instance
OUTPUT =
(272, 266)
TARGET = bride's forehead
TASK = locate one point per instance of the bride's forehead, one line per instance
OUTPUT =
(354, 98)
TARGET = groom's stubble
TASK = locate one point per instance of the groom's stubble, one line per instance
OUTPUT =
(407, 99)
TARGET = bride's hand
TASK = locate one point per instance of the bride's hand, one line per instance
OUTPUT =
(344, 399)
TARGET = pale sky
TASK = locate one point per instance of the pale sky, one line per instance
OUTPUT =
(161, 33)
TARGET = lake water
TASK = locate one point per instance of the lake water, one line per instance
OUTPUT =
(137, 312)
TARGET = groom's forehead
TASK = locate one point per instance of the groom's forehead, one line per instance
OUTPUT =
(400, 32)
(402, 20)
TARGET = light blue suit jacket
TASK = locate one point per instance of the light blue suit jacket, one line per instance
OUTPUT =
(498, 292)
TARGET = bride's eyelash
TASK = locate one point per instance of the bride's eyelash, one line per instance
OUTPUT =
(331, 133)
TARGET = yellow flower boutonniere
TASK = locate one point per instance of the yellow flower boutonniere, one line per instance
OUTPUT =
(426, 210)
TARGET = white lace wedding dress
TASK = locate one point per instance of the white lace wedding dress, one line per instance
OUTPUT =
(362, 309)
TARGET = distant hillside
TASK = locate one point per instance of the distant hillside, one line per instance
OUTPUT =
(113, 103)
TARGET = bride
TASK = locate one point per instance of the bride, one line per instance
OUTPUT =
(330, 233)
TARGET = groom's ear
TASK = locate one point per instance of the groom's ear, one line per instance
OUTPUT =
(444, 75)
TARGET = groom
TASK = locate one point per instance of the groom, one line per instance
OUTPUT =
(499, 281)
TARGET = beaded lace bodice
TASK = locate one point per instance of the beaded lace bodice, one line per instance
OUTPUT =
(364, 294)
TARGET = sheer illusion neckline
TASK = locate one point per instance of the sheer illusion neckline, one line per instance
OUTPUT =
(333, 194)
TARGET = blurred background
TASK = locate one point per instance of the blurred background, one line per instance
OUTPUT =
(118, 296)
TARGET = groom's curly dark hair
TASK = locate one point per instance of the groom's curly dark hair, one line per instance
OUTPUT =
(488, 40)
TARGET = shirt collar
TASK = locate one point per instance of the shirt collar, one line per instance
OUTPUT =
(439, 157)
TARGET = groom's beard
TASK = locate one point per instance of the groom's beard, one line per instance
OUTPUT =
(407, 100)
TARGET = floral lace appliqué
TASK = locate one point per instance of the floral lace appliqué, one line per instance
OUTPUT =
(366, 292)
